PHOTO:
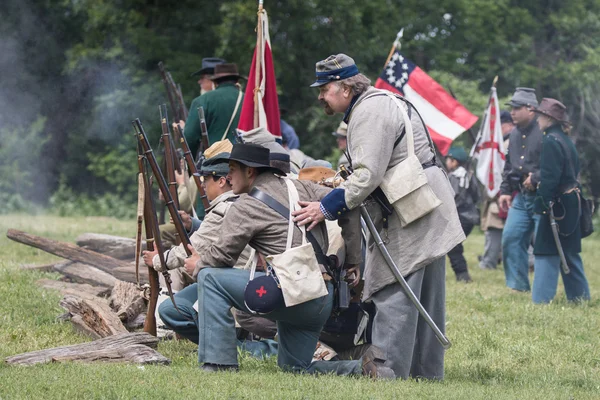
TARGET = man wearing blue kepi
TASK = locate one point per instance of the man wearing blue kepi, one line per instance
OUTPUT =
(383, 133)
(521, 176)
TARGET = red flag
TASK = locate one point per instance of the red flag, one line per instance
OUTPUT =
(444, 116)
(266, 93)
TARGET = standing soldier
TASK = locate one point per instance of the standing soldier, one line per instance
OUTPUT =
(222, 108)
(558, 192)
(375, 125)
(204, 73)
(521, 174)
(466, 197)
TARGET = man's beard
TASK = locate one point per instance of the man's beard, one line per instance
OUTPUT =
(328, 109)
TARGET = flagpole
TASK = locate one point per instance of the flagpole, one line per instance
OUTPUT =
(397, 45)
(258, 66)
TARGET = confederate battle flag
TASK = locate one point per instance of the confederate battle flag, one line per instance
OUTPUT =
(490, 148)
(261, 97)
(444, 116)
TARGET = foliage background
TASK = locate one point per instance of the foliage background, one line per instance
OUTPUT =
(76, 72)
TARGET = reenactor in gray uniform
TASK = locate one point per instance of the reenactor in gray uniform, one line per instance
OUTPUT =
(375, 124)
(220, 287)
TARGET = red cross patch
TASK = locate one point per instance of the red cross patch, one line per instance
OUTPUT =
(261, 291)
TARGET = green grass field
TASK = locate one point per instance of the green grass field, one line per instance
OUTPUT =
(504, 347)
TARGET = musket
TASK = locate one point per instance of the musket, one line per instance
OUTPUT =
(147, 216)
(189, 159)
(170, 158)
(162, 184)
(140, 221)
(204, 130)
(148, 154)
(165, 79)
(561, 253)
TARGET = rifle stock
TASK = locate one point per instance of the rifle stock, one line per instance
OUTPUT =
(187, 155)
(150, 321)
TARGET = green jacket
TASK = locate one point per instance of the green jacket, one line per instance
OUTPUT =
(218, 107)
(557, 176)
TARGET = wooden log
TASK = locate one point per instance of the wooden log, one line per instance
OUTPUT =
(137, 353)
(127, 301)
(74, 253)
(113, 246)
(95, 314)
(38, 267)
(82, 273)
(112, 348)
(72, 288)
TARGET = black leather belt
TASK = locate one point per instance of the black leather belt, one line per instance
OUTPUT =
(429, 164)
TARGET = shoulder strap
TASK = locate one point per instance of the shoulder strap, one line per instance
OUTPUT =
(285, 213)
(410, 107)
(237, 105)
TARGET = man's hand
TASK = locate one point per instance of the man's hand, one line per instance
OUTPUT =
(527, 183)
(148, 256)
(309, 214)
(185, 218)
(353, 273)
(505, 201)
(192, 260)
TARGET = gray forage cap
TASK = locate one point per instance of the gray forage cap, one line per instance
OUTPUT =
(523, 97)
(334, 68)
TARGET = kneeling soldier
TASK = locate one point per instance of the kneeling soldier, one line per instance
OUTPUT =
(250, 221)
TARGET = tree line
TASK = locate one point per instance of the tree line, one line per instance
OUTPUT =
(75, 73)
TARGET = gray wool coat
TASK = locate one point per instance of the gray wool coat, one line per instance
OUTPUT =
(373, 127)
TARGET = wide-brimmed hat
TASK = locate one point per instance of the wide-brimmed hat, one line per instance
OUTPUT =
(315, 174)
(523, 97)
(334, 68)
(341, 131)
(208, 66)
(250, 155)
(225, 70)
(222, 146)
(553, 109)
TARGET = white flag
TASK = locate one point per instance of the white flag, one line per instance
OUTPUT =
(490, 148)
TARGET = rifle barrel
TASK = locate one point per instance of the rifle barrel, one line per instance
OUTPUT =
(170, 158)
(187, 155)
(162, 184)
(203, 129)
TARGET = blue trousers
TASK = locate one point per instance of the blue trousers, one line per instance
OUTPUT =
(545, 279)
(185, 322)
(298, 327)
(516, 238)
